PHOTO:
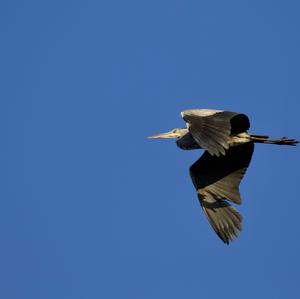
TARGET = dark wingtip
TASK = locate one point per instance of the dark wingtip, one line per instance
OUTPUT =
(224, 239)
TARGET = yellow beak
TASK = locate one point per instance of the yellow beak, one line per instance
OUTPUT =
(164, 135)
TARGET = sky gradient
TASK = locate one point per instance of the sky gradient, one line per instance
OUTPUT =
(90, 208)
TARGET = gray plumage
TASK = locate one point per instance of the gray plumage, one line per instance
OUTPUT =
(217, 174)
(217, 179)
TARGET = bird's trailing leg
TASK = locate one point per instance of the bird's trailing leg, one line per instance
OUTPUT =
(267, 140)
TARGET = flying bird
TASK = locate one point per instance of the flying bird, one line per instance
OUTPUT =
(217, 174)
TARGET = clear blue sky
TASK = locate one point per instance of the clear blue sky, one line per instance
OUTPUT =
(89, 207)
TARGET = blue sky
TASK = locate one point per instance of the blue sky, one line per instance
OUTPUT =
(90, 208)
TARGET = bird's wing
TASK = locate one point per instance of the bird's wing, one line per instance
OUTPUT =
(211, 129)
(216, 180)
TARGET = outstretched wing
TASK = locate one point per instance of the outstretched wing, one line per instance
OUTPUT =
(211, 129)
(216, 180)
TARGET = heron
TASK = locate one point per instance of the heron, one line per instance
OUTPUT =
(217, 174)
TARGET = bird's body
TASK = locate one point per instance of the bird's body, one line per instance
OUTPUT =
(187, 142)
(217, 174)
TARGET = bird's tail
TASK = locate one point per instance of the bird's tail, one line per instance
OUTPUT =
(266, 139)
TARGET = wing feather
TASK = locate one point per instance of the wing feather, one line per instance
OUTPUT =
(211, 129)
(217, 180)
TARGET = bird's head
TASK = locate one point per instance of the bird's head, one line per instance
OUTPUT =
(175, 133)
